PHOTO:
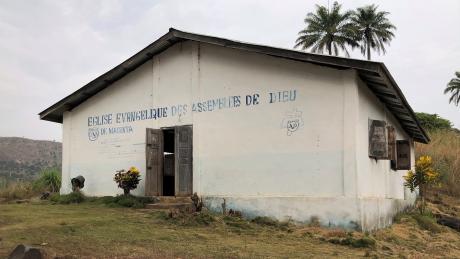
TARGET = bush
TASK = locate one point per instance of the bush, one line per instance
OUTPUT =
(183, 218)
(427, 222)
(73, 197)
(265, 221)
(49, 180)
(128, 201)
(349, 240)
(236, 223)
(270, 222)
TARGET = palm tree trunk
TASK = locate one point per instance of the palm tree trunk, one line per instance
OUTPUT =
(368, 49)
(329, 48)
(368, 43)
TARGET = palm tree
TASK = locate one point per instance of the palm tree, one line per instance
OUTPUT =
(327, 31)
(373, 29)
(454, 88)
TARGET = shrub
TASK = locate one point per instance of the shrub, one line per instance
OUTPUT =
(127, 180)
(349, 240)
(424, 176)
(49, 180)
(427, 222)
(237, 223)
(265, 221)
(183, 218)
(129, 201)
(270, 222)
(73, 197)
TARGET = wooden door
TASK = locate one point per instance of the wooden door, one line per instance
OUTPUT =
(154, 157)
(184, 160)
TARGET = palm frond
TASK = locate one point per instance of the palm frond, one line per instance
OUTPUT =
(327, 31)
(453, 87)
(373, 29)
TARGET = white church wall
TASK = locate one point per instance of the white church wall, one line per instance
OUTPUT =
(97, 151)
(248, 151)
(380, 189)
(272, 136)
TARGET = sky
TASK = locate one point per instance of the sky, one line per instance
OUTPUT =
(49, 49)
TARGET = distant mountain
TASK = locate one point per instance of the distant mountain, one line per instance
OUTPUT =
(22, 158)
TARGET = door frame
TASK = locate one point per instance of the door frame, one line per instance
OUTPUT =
(149, 181)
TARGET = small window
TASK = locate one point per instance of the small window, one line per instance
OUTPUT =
(403, 155)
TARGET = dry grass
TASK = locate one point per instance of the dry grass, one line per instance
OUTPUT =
(444, 148)
(91, 230)
(18, 191)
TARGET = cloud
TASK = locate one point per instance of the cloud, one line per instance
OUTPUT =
(51, 48)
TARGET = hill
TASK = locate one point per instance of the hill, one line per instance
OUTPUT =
(22, 158)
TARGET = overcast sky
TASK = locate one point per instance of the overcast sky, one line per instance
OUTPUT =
(48, 49)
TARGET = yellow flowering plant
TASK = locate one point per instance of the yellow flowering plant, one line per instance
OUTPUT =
(424, 176)
(127, 180)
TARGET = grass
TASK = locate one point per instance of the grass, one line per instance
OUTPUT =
(444, 148)
(127, 201)
(73, 197)
(92, 229)
(18, 191)
(350, 240)
(427, 222)
(49, 181)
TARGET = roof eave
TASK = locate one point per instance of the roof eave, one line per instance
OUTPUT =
(391, 96)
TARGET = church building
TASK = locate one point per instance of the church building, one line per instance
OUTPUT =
(275, 132)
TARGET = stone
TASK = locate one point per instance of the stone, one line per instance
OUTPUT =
(449, 221)
(45, 196)
(26, 252)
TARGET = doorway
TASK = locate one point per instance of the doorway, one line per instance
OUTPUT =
(169, 161)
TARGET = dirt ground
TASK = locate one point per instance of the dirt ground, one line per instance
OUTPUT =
(90, 230)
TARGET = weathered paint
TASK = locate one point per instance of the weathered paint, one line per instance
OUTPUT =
(291, 141)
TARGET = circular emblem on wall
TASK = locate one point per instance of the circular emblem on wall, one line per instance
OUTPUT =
(93, 134)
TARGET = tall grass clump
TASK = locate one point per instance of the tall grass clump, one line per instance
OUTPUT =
(17, 191)
(49, 180)
(444, 149)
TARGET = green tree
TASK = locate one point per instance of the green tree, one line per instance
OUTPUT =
(327, 31)
(453, 87)
(373, 29)
(433, 121)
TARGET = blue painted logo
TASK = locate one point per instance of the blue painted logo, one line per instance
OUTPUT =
(93, 134)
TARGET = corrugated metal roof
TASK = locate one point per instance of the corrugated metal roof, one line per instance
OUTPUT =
(374, 74)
